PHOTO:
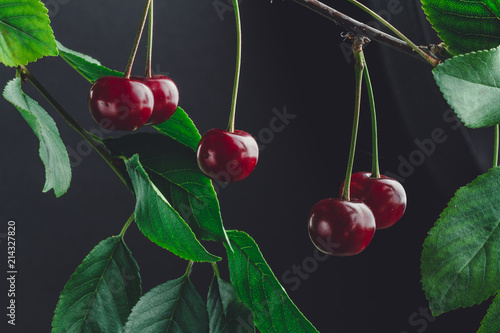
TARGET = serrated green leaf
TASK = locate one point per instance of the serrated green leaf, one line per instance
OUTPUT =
(465, 26)
(25, 32)
(471, 85)
(173, 307)
(226, 313)
(491, 323)
(166, 158)
(257, 286)
(52, 150)
(101, 292)
(181, 128)
(461, 256)
(86, 66)
(158, 221)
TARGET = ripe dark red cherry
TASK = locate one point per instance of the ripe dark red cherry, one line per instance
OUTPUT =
(227, 157)
(119, 103)
(166, 97)
(385, 196)
(341, 228)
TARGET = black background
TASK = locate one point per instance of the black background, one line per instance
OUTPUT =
(293, 59)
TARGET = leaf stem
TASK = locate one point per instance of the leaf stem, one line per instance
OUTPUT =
(496, 145)
(357, 47)
(127, 224)
(373, 112)
(138, 36)
(434, 62)
(216, 269)
(189, 268)
(71, 121)
(150, 41)
(230, 126)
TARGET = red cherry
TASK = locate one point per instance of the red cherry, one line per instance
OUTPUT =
(341, 228)
(385, 196)
(119, 103)
(166, 97)
(227, 157)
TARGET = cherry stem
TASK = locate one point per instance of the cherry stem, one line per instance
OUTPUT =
(357, 47)
(70, 120)
(230, 126)
(373, 112)
(150, 41)
(127, 224)
(138, 36)
(431, 60)
(496, 145)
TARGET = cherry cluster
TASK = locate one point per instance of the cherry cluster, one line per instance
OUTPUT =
(130, 102)
(369, 201)
(126, 104)
(346, 227)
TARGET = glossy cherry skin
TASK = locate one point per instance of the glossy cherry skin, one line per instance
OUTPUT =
(119, 103)
(227, 157)
(166, 97)
(341, 228)
(385, 196)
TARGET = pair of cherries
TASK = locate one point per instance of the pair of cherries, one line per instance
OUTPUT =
(126, 104)
(344, 228)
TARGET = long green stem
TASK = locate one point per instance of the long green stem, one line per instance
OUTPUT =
(358, 70)
(496, 146)
(434, 62)
(138, 36)
(230, 126)
(373, 112)
(150, 41)
(127, 224)
(71, 121)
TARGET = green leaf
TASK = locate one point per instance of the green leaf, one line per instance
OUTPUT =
(52, 150)
(181, 203)
(25, 32)
(461, 256)
(101, 292)
(181, 128)
(86, 66)
(226, 312)
(159, 222)
(491, 323)
(465, 26)
(493, 6)
(471, 85)
(257, 286)
(172, 307)
(162, 156)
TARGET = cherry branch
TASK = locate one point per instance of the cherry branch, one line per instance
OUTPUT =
(361, 29)
(70, 120)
